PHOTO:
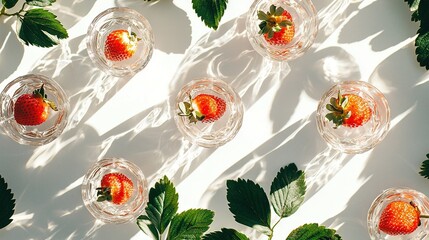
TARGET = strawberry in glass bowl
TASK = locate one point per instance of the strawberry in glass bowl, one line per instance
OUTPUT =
(353, 116)
(120, 41)
(209, 112)
(114, 190)
(281, 30)
(399, 213)
(34, 109)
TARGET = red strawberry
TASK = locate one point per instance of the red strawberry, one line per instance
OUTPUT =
(116, 188)
(204, 107)
(349, 110)
(33, 109)
(276, 26)
(120, 45)
(399, 218)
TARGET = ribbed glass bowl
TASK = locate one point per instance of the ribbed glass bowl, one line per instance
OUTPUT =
(39, 134)
(114, 19)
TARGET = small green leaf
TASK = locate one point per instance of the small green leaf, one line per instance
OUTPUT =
(288, 190)
(249, 204)
(184, 108)
(262, 16)
(7, 203)
(424, 169)
(163, 204)
(40, 3)
(273, 9)
(9, 3)
(279, 11)
(225, 234)
(190, 224)
(40, 27)
(210, 11)
(313, 231)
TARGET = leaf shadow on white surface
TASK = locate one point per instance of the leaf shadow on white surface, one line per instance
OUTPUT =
(11, 48)
(71, 12)
(166, 29)
(381, 31)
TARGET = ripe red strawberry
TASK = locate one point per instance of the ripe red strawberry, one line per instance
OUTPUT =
(120, 45)
(204, 107)
(116, 188)
(349, 110)
(399, 218)
(276, 26)
(33, 109)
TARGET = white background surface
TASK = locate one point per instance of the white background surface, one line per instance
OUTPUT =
(131, 118)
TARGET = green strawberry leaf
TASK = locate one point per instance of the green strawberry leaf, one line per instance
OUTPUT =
(7, 203)
(313, 231)
(190, 224)
(424, 169)
(288, 190)
(422, 49)
(40, 3)
(40, 27)
(9, 3)
(225, 233)
(210, 11)
(161, 208)
(249, 204)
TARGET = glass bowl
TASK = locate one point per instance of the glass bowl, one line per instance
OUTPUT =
(355, 139)
(109, 212)
(120, 18)
(39, 134)
(304, 18)
(398, 194)
(216, 133)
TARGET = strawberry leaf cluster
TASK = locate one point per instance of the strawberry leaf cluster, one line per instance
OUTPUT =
(247, 201)
(161, 212)
(210, 11)
(38, 26)
(7, 203)
(420, 9)
(252, 207)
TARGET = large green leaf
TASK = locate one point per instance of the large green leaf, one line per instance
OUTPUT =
(423, 12)
(40, 3)
(161, 208)
(225, 234)
(249, 204)
(313, 231)
(40, 27)
(210, 11)
(424, 169)
(190, 225)
(422, 49)
(7, 203)
(9, 3)
(288, 190)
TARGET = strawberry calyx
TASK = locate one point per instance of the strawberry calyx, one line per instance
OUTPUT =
(104, 194)
(40, 93)
(272, 21)
(186, 110)
(337, 113)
